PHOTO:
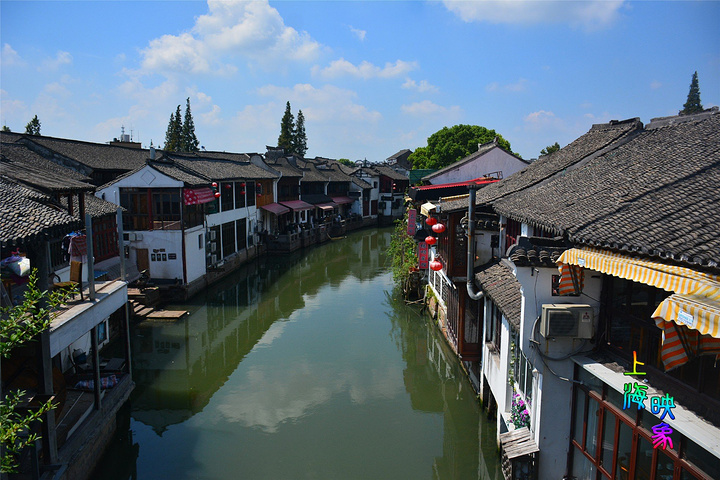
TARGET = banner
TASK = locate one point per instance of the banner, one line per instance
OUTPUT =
(412, 219)
(422, 255)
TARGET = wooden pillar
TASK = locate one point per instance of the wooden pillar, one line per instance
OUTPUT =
(96, 366)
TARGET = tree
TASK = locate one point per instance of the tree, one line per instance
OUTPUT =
(18, 325)
(173, 136)
(448, 145)
(299, 137)
(693, 105)
(33, 126)
(189, 141)
(550, 149)
(5, 128)
(285, 140)
(346, 161)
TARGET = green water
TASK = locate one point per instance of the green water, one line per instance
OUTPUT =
(305, 366)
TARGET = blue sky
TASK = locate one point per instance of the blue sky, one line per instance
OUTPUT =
(371, 77)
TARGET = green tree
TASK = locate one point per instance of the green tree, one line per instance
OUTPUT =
(550, 149)
(299, 136)
(5, 128)
(285, 140)
(403, 252)
(693, 105)
(173, 135)
(33, 126)
(18, 325)
(448, 145)
(346, 161)
(189, 140)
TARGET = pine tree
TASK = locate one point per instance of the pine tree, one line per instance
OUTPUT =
(299, 137)
(33, 126)
(285, 140)
(170, 137)
(189, 140)
(693, 104)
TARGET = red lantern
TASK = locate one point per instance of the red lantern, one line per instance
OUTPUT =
(259, 194)
(431, 221)
(214, 184)
(217, 194)
(435, 265)
(228, 186)
(438, 228)
(430, 240)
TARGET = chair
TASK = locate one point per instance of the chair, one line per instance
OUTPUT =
(75, 279)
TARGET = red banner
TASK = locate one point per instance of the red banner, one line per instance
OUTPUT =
(422, 255)
(195, 196)
(412, 218)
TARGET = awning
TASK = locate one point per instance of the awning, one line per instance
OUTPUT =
(276, 208)
(690, 319)
(342, 200)
(196, 196)
(326, 206)
(427, 209)
(297, 205)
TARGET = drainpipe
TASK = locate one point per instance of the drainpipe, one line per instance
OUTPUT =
(471, 245)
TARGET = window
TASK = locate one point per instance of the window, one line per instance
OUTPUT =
(193, 215)
(105, 240)
(228, 239)
(512, 232)
(250, 191)
(241, 233)
(137, 211)
(239, 194)
(493, 326)
(166, 209)
(227, 199)
(611, 443)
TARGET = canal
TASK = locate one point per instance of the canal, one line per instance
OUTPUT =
(301, 366)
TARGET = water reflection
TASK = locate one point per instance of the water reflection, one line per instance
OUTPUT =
(304, 366)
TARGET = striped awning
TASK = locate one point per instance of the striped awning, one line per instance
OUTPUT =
(690, 318)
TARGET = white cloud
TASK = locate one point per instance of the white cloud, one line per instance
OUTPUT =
(10, 57)
(542, 120)
(424, 86)
(590, 14)
(360, 34)
(252, 30)
(519, 86)
(655, 85)
(62, 58)
(427, 108)
(365, 69)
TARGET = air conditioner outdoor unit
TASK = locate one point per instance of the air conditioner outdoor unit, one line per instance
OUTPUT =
(212, 234)
(213, 259)
(213, 246)
(567, 320)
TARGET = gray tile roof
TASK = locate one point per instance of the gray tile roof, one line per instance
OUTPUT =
(656, 195)
(95, 206)
(537, 252)
(499, 283)
(27, 167)
(284, 166)
(220, 168)
(600, 136)
(172, 170)
(27, 215)
(97, 156)
(388, 172)
(311, 173)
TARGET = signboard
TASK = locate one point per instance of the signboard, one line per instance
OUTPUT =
(687, 319)
(412, 219)
(422, 255)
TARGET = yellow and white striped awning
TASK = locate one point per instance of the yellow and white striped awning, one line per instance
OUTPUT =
(697, 294)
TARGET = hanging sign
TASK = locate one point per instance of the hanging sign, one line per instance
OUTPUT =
(412, 218)
(422, 255)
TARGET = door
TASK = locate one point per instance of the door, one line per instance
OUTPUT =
(143, 259)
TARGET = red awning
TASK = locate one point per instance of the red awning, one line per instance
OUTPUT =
(297, 205)
(342, 200)
(326, 206)
(276, 208)
(476, 181)
(196, 196)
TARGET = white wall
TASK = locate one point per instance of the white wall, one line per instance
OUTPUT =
(482, 246)
(496, 160)
(147, 177)
(171, 242)
(195, 252)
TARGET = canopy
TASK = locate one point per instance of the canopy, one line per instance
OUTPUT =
(297, 205)
(690, 318)
(196, 196)
(326, 206)
(342, 200)
(276, 208)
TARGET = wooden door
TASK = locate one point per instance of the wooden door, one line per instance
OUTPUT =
(143, 259)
